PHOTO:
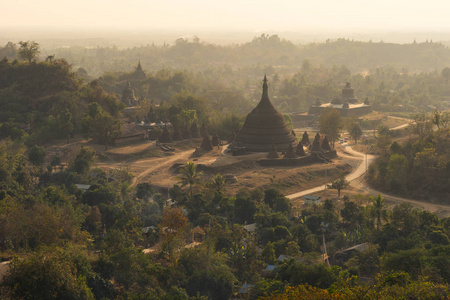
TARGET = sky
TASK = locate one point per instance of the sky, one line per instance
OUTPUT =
(232, 15)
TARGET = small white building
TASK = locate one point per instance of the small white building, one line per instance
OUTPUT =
(311, 199)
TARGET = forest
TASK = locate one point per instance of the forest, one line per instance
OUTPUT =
(74, 230)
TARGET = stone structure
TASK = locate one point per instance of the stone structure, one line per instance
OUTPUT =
(325, 144)
(299, 150)
(130, 133)
(305, 139)
(347, 104)
(128, 97)
(316, 144)
(290, 153)
(165, 136)
(273, 152)
(139, 73)
(348, 94)
(206, 144)
(263, 126)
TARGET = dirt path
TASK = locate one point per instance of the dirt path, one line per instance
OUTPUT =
(357, 181)
(360, 170)
(156, 164)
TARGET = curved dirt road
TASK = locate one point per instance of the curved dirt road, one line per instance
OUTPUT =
(357, 181)
(358, 172)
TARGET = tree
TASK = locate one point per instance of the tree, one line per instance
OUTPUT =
(172, 227)
(446, 74)
(398, 168)
(355, 131)
(378, 210)
(36, 155)
(101, 125)
(46, 275)
(189, 176)
(217, 184)
(65, 123)
(422, 124)
(330, 123)
(28, 50)
(338, 185)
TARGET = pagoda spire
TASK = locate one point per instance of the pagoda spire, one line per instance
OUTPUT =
(139, 67)
(265, 94)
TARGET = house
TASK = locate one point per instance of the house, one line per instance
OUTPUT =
(311, 199)
(343, 256)
(250, 227)
(245, 288)
(83, 187)
(131, 133)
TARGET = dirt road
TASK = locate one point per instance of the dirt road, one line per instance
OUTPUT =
(358, 172)
(153, 165)
(357, 181)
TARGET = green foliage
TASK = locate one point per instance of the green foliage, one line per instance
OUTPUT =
(330, 123)
(317, 275)
(28, 50)
(36, 155)
(46, 275)
(338, 184)
(83, 161)
(100, 125)
(189, 176)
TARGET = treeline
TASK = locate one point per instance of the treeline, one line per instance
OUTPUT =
(89, 244)
(41, 101)
(419, 167)
(266, 53)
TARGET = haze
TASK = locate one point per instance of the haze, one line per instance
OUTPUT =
(226, 15)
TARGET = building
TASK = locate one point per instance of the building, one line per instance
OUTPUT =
(128, 97)
(311, 199)
(139, 73)
(263, 126)
(131, 133)
(347, 104)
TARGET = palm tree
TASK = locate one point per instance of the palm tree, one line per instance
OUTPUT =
(189, 176)
(378, 210)
(217, 184)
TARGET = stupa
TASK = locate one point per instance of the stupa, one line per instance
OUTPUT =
(206, 144)
(325, 144)
(273, 152)
(263, 126)
(128, 95)
(348, 93)
(290, 153)
(299, 150)
(305, 139)
(316, 144)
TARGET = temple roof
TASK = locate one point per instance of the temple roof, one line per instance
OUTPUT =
(263, 126)
(348, 93)
(128, 94)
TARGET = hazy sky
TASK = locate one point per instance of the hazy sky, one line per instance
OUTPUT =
(249, 15)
